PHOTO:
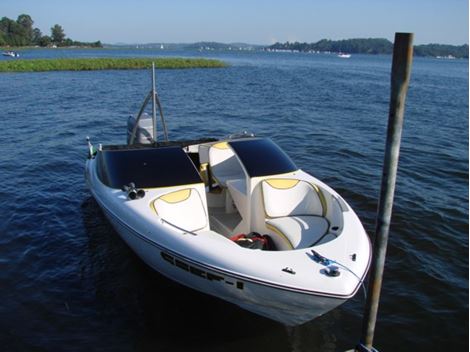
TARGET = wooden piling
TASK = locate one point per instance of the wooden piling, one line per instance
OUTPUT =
(401, 68)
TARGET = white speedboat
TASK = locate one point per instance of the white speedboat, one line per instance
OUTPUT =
(344, 55)
(11, 54)
(182, 205)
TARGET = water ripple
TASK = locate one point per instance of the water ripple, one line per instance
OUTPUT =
(68, 280)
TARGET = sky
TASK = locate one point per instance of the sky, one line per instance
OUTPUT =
(254, 22)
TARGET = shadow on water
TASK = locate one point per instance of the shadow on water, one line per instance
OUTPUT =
(153, 312)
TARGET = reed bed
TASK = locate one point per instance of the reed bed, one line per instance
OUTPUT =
(89, 64)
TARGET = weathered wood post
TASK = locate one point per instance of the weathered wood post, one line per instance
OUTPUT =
(401, 67)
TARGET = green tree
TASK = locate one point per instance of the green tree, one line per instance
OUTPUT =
(12, 32)
(26, 23)
(6, 27)
(57, 34)
(21, 33)
(3, 31)
(36, 36)
(45, 40)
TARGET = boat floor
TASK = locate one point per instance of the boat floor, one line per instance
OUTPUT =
(223, 222)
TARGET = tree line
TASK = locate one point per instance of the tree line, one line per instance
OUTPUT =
(371, 46)
(22, 33)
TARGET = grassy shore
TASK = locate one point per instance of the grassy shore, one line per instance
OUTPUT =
(41, 65)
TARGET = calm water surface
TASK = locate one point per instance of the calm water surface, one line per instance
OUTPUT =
(69, 283)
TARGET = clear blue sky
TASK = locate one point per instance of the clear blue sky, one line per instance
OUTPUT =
(255, 21)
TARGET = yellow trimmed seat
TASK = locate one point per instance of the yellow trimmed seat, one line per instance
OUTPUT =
(183, 208)
(224, 164)
(295, 212)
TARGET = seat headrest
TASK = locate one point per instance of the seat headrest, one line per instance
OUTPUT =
(221, 145)
(291, 197)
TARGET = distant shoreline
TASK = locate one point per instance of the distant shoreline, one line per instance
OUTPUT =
(92, 64)
(372, 46)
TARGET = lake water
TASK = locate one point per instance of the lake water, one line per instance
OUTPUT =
(69, 283)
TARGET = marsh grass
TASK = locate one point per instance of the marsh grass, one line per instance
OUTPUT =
(89, 64)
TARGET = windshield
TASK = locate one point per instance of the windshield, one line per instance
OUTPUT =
(146, 168)
(262, 157)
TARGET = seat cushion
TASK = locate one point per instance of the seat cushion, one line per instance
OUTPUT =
(183, 208)
(293, 232)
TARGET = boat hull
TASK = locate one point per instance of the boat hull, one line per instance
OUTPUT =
(287, 306)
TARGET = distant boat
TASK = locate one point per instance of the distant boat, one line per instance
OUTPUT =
(448, 57)
(11, 54)
(344, 55)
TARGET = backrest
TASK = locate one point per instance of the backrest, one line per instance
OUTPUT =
(183, 208)
(223, 162)
(219, 153)
(291, 197)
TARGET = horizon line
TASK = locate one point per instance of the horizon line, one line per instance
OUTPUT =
(253, 44)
